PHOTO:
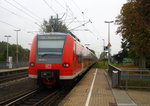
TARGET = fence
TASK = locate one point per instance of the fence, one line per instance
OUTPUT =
(129, 78)
(3, 65)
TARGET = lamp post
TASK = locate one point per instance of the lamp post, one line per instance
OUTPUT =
(17, 52)
(108, 22)
(7, 46)
(103, 45)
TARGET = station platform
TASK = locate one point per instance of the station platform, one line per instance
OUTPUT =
(95, 89)
(13, 69)
(92, 90)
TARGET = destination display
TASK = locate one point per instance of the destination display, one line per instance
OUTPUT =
(51, 37)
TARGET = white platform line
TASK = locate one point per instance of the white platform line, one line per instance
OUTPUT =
(91, 88)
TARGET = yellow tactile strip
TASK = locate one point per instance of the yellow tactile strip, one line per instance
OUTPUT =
(101, 94)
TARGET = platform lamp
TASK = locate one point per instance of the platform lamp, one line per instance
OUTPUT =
(17, 52)
(109, 45)
(7, 36)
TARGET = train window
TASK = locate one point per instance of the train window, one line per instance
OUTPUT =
(75, 48)
(80, 58)
(50, 43)
(48, 47)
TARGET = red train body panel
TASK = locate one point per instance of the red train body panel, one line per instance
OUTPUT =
(58, 56)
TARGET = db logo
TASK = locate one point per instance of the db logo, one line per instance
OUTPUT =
(49, 66)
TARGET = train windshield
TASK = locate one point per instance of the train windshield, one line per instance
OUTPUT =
(50, 48)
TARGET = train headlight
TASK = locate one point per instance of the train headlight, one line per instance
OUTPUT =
(66, 65)
(32, 64)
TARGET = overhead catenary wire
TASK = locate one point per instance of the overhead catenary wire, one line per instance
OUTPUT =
(70, 22)
(9, 24)
(26, 9)
(74, 18)
(84, 15)
(70, 12)
(26, 19)
(66, 13)
(94, 35)
(9, 11)
(83, 23)
(49, 6)
(60, 4)
(77, 7)
(13, 26)
(15, 14)
(21, 10)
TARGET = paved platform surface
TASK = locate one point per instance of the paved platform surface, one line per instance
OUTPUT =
(83, 95)
(140, 97)
(95, 90)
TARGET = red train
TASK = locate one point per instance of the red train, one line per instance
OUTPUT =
(56, 57)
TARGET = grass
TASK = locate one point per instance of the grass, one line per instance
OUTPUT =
(133, 82)
(101, 64)
(136, 82)
(126, 66)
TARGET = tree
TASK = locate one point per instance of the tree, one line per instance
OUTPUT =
(54, 25)
(120, 56)
(135, 29)
(23, 53)
(103, 56)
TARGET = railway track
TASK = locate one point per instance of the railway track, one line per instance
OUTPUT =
(38, 97)
(41, 97)
(12, 76)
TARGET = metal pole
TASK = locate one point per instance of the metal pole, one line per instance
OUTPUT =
(7, 50)
(103, 45)
(108, 33)
(17, 52)
(7, 46)
(109, 39)
(104, 50)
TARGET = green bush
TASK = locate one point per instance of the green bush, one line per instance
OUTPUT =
(101, 64)
(136, 82)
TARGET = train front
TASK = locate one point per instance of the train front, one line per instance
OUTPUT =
(46, 57)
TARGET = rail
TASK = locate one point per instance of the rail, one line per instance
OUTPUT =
(12, 74)
(20, 97)
(129, 78)
(39, 97)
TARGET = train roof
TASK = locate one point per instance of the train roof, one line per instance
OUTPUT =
(60, 33)
(53, 33)
(64, 34)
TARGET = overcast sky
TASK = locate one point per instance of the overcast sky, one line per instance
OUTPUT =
(27, 15)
